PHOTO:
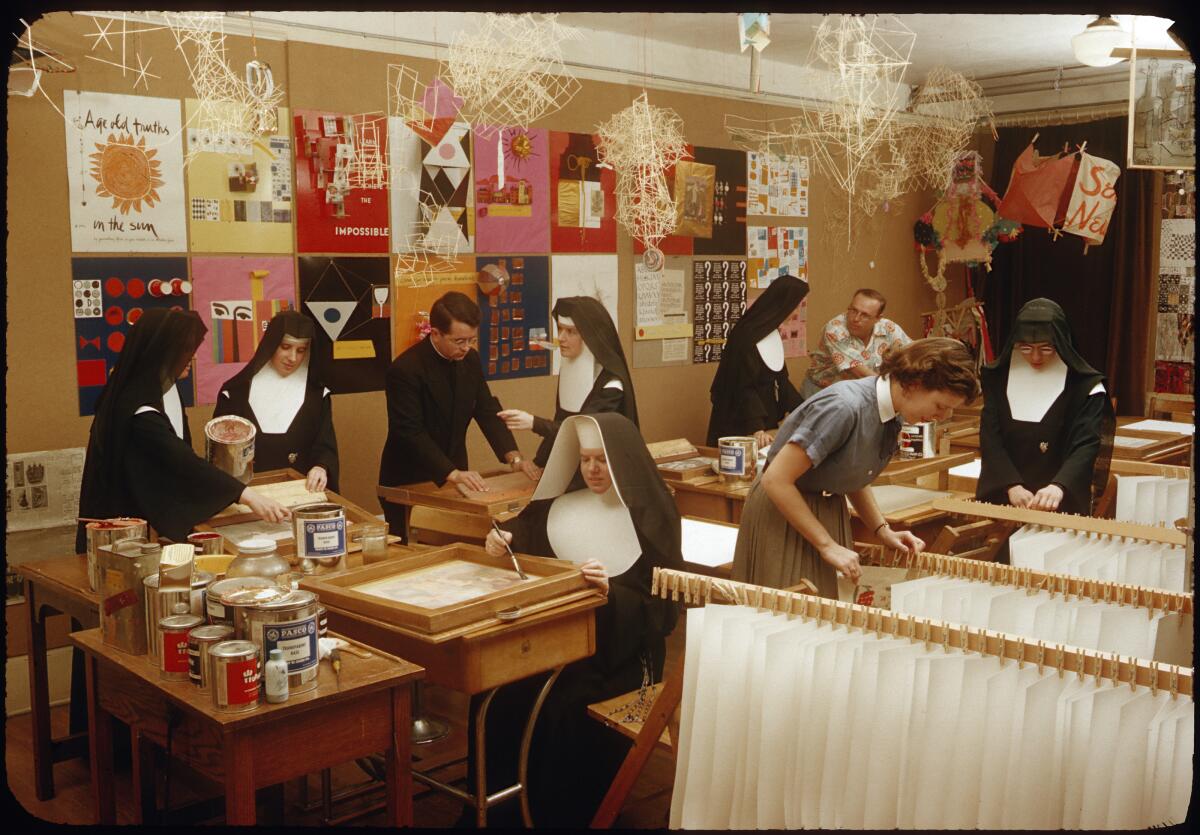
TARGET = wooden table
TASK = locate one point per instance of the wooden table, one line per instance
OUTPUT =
(364, 712)
(53, 586)
(1160, 447)
(508, 492)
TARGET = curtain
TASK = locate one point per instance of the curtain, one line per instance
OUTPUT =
(1107, 294)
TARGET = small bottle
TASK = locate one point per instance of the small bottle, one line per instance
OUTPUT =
(276, 678)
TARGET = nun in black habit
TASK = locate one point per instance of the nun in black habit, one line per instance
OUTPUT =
(139, 457)
(593, 378)
(1046, 431)
(282, 392)
(751, 391)
(600, 503)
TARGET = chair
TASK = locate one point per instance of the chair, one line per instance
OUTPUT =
(1176, 407)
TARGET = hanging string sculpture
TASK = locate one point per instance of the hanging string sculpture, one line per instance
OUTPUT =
(963, 227)
(966, 323)
(949, 106)
(116, 44)
(641, 143)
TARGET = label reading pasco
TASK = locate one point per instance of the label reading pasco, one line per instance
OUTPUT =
(325, 538)
(297, 640)
(733, 461)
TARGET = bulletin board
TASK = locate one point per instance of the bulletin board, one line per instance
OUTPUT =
(677, 350)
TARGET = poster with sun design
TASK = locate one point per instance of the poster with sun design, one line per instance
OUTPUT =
(125, 173)
(236, 297)
(350, 298)
(513, 216)
(108, 296)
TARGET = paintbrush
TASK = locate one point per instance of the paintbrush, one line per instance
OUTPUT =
(508, 548)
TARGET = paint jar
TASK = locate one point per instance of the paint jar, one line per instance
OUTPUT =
(234, 675)
(100, 534)
(227, 600)
(159, 604)
(207, 542)
(229, 446)
(373, 539)
(200, 640)
(258, 558)
(173, 636)
(275, 678)
(288, 624)
(738, 458)
(124, 566)
(320, 531)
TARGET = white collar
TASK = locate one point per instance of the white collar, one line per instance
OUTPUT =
(174, 409)
(275, 399)
(433, 345)
(883, 397)
(576, 376)
(770, 349)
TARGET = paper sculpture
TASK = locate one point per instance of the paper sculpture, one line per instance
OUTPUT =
(583, 200)
(512, 215)
(1093, 199)
(718, 301)
(949, 106)
(106, 33)
(642, 142)
(348, 298)
(676, 243)
(516, 319)
(729, 202)
(964, 322)
(754, 30)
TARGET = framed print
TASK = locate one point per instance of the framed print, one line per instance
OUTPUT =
(1162, 120)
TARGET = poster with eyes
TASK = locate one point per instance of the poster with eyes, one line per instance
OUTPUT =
(718, 301)
(108, 296)
(350, 298)
(236, 297)
(514, 330)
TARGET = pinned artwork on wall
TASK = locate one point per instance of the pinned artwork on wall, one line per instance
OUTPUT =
(350, 299)
(125, 173)
(1176, 291)
(236, 297)
(332, 213)
(776, 251)
(239, 189)
(777, 186)
(411, 304)
(728, 235)
(1162, 113)
(513, 293)
(694, 187)
(512, 207)
(108, 296)
(583, 200)
(583, 275)
(718, 301)
(433, 197)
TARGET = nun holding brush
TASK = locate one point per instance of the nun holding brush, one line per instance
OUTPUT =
(282, 392)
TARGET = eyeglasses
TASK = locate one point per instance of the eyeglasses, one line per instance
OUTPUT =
(1041, 350)
(465, 342)
(854, 313)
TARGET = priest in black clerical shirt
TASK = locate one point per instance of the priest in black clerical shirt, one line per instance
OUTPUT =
(434, 389)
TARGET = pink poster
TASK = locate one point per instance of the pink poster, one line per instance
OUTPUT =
(236, 297)
(515, 217)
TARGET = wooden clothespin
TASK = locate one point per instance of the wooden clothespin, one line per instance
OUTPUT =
(963, 637)
(1079, 664)
(1003, 648)
(1058, 659)
(1154, 679)
(1041, 656)
(1116, 663)
(1133, 670)
(1174, 682)
(945, 639)
(1021, 653)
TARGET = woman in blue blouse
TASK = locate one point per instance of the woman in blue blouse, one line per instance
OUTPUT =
(795, 524)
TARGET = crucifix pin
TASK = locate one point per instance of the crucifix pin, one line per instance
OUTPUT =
(1043, 446)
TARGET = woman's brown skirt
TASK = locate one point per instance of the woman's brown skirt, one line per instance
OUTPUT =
(770, 552)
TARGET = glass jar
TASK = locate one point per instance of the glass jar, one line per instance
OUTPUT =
(374, 542)
(258, 558)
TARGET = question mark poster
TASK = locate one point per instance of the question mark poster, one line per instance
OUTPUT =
(718, 301)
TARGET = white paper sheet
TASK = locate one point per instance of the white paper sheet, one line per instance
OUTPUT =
(708, 543)
(1163, 426)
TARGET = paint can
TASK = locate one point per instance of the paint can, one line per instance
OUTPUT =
(173, 636)
(288, 624)
(100, 534)
(738, 459)
(320, 531)
(124, 566)
(229, 446)
(234, 674)
(200, 641)
(322, 622)
(159, 604)
(227, 600)
(207, 542)
(917, 440)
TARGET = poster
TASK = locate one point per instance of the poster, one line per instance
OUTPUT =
(410, 305)
(516, 319)
(583, 275)
(239, 192)
(331, 214)
(729, 202)
(1179, 194)
(107, 296)
(514, 217)
(776, 186)
(718, 301)
(583, 201)
(671, 244)
(1162, 120)
(1176, 291)
(236, 296)
(432, 196)
(42, 489)
(694, 189)
(1173, 377)
(776, 251)
(349, 298)
(659, 306)
(1093, 199)
(125, 173)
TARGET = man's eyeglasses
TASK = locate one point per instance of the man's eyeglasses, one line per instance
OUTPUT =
(857, 315)
(465, 342)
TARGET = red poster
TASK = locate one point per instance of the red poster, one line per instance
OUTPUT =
(672, 244)
(583, 201)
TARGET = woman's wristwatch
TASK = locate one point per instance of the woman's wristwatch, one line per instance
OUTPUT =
(881, 525)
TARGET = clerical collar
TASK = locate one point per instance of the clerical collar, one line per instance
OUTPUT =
(883, 398)
(434, 346)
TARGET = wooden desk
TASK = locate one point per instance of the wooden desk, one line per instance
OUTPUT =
(508, 493)
(1161, 447)
(914, 470)
(53, 586)
(708, 498)
(364, 712)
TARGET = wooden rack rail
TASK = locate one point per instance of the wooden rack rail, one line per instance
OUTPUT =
(1071, 521)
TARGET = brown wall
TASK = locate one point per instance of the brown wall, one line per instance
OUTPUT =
(42, 406)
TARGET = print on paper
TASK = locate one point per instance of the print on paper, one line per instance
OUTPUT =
(776, 251)
(411, 304)
(729, 202)
(694, 187)
(513, 216)
(777, 186)
(718, 301)
(432, 196)
(1162, 120)
(515, 327)
(341, 295)
(582, 196)
(583, 275)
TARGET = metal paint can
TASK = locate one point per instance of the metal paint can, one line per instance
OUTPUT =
(229, 446)
(100, 534)
(200, 641)
(289, 624)
(227, 600)
(320, 532)
(159, 604)
(124, 566)
(234, 675)
(207, 542)
(322, 622)
(738, 459)
(917, 440)
(173, 634)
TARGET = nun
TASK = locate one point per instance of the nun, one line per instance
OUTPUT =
(139, 459)
(751, 391)
(281, 391)
(1046, 431)
(593, 378)
(602, 505)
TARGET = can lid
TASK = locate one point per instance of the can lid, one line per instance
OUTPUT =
(183, 621)
(316, 507)
(256, 546)
(234, 648)
(251, 596)
(211, 632)
(230, 584)
(294, 599)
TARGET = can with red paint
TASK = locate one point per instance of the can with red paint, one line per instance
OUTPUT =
(234, 674)
(174, 629)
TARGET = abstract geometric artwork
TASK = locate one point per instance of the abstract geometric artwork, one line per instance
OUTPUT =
(718, 301)
(108, 296)
(774, 251)
(333, 214)
(239, 190)
(583, 200)
(236, 297)
(675, 243)
(516, 319)
(729, 202)
(777, 185)
(432, 198)
(513, 217)
(349, 299)
(583, 275)
(950, 106)
(125, 173)
(411, 302)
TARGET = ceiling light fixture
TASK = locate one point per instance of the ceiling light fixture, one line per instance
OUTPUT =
(1094, 45)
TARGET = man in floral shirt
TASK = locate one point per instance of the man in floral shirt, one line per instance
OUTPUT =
(854, 343)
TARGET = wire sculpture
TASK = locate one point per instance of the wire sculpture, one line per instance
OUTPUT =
(949, 105)
(125, 65)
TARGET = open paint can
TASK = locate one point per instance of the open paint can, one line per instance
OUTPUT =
(320, 530)
(229, 446)
(227, 600)
(917, 440)
(738, 459)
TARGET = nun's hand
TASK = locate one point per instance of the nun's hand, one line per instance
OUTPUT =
(317, 479)
(516, 419)
(1048, 498)
(1018, 496)
(843, 559)
(264, 507)
(496, 541)
(596, 574)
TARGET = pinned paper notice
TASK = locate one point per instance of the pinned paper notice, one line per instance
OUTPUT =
(674, 350)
